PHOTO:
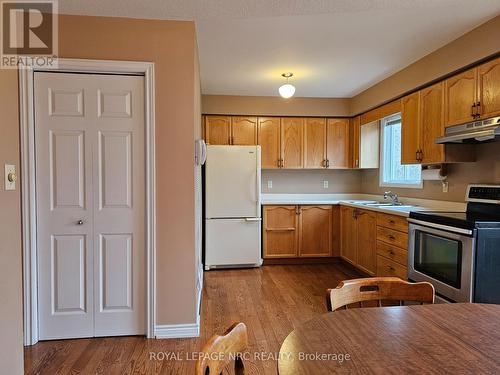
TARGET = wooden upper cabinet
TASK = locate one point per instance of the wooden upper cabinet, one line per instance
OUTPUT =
(269, 140)
(348, 234)
(218, 130)
(432, 123)
(369, 145)
(292, 142)
(410, 129)
(315, 238)
(337, 143)
(315, 143)
(460, 96)
(244, 131)
(367, 241)
(489, 89)
(354, 135)
(280, 237)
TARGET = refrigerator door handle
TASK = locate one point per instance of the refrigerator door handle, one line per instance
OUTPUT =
(249, 219)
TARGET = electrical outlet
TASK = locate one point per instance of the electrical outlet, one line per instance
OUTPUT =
(325, 184)
(445, 186)
(269, 184)
(10, 177)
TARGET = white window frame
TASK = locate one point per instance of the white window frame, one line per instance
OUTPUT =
(382, 183)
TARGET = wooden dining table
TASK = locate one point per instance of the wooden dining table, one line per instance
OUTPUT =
(460, 338)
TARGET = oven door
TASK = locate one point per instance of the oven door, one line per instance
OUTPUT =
(443, 256)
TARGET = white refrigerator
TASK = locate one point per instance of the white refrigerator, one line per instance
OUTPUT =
(232, 207)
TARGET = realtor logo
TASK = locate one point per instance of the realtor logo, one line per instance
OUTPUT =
(29, 33)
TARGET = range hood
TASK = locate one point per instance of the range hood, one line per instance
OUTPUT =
(472, 132)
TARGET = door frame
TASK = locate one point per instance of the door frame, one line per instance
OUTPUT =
(28, 186)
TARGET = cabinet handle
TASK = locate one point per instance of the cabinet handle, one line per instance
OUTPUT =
(478, 109)
(392, 222)
(391, 237)
(357, 163)
(327, 163)
(473, 111)
(391, 252)
(391, 269)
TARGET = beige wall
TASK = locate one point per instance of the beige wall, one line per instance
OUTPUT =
(479, 43)
(486, 170)
(171, 46)
(11, 323)
(274, 106)
(311, 181)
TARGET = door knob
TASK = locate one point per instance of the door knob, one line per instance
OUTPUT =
(80, 222)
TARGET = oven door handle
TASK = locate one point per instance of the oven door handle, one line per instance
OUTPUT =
(447, 228)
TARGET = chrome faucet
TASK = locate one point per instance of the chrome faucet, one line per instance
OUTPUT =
(394, 198)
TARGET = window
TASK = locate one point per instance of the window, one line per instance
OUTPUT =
(392, 173)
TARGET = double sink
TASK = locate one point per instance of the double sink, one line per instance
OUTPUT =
(391, 205)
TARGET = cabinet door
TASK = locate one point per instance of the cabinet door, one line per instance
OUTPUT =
(292, 142)
(432, 123)
(280, 231)
(460, 96)
(218, 130)
(489, 89)
(269, 140)
(315, 143)
(354, 134)
(337, 143)
(244, 131)
(369, 151)
(348, 234)
(367, 241)
(410, 129)
(315, 228)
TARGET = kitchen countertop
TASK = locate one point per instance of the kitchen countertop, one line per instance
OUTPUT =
(357, 200)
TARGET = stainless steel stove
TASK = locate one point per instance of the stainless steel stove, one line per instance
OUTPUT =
(459, 252)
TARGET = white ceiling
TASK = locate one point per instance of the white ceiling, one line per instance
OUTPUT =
(336, 48)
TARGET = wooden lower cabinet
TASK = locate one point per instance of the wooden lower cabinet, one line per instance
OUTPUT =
(315, 233)
(367, 247)
(298, 231)
(281, 234)
(358, 238)
(387, 267)
(348, 234)
(392, 246)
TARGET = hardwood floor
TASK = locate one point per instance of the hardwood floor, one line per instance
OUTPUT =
(271, 300)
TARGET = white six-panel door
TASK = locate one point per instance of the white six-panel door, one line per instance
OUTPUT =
(90, 192)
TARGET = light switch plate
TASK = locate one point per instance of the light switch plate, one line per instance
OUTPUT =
(10, 170)
(269, 184)
(325, 184)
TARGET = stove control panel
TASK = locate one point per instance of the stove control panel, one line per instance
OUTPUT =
(483, 194)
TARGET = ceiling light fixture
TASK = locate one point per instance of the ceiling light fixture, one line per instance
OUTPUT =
(287, 90)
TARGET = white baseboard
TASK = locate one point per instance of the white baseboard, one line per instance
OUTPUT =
(176, 331)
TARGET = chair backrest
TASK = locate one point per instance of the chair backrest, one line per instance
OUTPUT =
(378, 289)
(219, 351)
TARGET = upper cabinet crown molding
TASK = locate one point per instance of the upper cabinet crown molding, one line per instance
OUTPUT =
(380, 112)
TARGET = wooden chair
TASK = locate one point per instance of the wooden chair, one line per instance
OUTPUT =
(219, 351)
(378, 289)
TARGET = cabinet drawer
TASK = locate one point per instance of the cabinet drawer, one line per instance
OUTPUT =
(394, 253)
(387, 267)
(392, 237)
(392, 222)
